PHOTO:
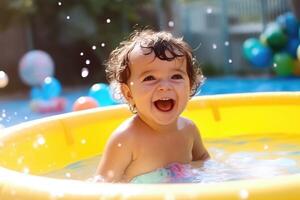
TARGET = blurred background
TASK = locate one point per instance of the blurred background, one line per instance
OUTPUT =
(53, 51)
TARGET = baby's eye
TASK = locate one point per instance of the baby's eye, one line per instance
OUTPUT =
(149, 78)
(177, 76)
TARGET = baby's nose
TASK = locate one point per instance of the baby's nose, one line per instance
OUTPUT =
(164, 86)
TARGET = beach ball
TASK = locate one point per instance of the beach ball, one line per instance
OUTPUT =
(3, 79)
(248, 46)
(84, 102)
(260, 56)
(51, 88)
(291, 46)
(275, 36)
(101, 92)
(283, 64)
(35, 66)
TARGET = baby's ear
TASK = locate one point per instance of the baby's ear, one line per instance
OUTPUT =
(126, 93)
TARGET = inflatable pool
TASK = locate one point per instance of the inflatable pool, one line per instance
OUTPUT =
(34, 148)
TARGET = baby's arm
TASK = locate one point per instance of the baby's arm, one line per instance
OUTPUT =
(199, 152)
(116, 158)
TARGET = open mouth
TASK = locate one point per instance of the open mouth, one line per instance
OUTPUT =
(164, 105)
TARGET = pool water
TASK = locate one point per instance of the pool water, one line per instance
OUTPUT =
(234, 158)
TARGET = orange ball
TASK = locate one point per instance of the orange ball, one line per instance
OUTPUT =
(297, 68)
(83, 103)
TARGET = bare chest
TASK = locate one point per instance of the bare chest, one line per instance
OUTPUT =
(156, 152)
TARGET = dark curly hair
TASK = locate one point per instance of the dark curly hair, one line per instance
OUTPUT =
(117, 66)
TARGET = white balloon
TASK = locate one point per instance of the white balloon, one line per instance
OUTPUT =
(3, 79)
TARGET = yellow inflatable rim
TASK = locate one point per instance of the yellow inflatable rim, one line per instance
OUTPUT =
(44, 145)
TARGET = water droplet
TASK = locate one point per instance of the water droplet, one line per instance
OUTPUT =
(171, 24)
(84, 72)
(83, 141)
(94, 47)
(87, 62)
(119, 145)
(226, 43)
(81, 53)
(244, 194)
(108, 20)
(275, 65)
(102, 44)
(68, 17)
(68, 175)
(26, 170)
(3, 115)
(209, 10)
(59, 3)
(229, 60)
(41, 140)
(266, 147)
(25, 117)
(214, 46)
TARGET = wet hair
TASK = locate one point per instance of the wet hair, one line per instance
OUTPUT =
(165, 47)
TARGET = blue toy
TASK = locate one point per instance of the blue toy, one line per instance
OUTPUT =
(101, 92)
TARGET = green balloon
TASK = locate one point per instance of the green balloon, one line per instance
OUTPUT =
(283, 64)
(275, 37)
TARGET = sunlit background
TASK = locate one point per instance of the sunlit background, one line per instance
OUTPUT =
(53, 52)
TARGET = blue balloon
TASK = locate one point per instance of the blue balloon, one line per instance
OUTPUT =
(51, 88)
(101, 92)
(261, 56)
(289, 24)
(36, 93)
(291, 47)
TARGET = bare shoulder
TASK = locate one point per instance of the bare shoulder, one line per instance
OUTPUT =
(125, 132)
(188, 125)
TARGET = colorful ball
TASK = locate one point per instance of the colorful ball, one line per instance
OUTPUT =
(51, 88)
(297, 68)
(260, 56)
(35, 66)
(289, 23)
(101, 92)
(248, 46)
(275, 37)
(283, 64)
(3, 79)
(291, 47)
(83, 103)
(298, 52)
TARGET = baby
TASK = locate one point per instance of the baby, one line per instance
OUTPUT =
(157, 75)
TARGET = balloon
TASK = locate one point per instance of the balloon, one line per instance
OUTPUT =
(3, 79)
(248, 45)
(35, 66)
(283, 64)
(298, 52)
(297, 68)
(83, 103)
(36, 93)
(261, 56)
(291, 46)
(51, 88)
(289, 23)
(101, 92)
(275, 37)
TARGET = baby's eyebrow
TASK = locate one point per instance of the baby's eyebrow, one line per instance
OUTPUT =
(146, 72)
